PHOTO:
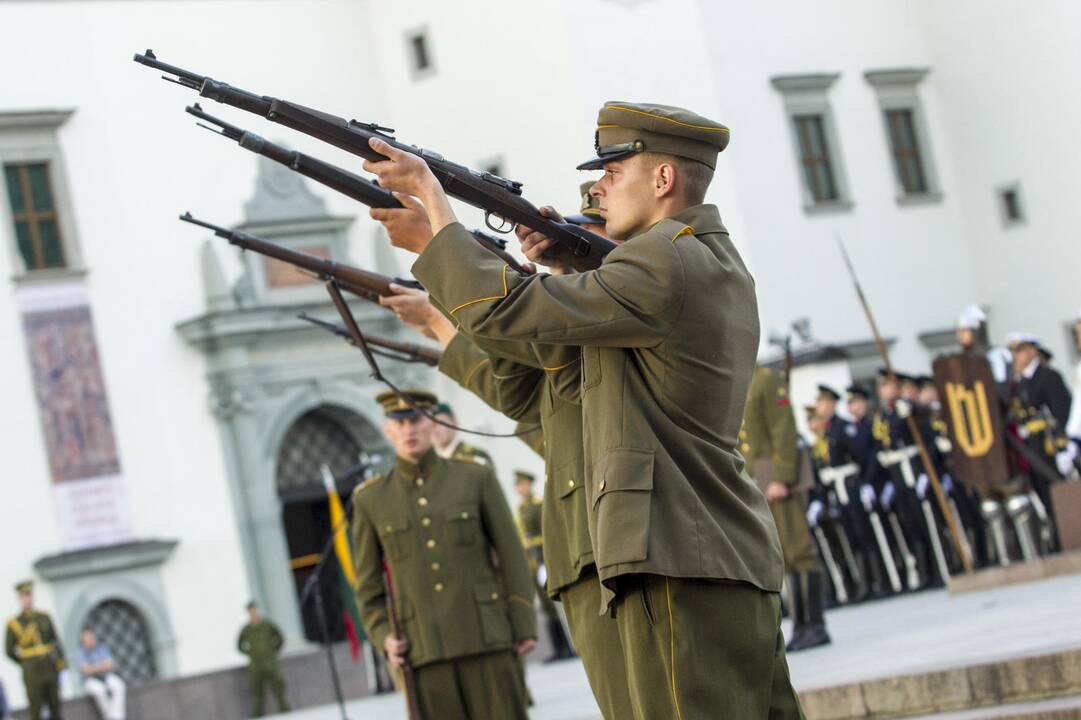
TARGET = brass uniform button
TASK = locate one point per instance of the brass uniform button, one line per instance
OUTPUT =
(435, 567)
(495, 596)
(426, 521)
(570, 483)
(465, 516)
(422, 501)
(745, 447)
(604, 484)
(420, 482)
(439, 587)
(430, 544)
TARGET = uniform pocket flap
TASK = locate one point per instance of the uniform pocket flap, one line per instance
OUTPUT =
(487, 594)
(567, 479)
(626, 469)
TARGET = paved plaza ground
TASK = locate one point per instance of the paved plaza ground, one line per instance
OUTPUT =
(904, 635)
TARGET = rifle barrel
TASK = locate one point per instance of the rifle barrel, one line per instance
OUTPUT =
(498, 197)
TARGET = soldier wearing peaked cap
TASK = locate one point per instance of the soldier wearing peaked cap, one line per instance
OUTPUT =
(438, 525)
(590, 214)
(31, 641)
(668, 326)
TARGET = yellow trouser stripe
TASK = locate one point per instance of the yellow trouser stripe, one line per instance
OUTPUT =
(672, 648)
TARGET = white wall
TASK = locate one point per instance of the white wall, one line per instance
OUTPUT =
(135, 160)
(1009, 74)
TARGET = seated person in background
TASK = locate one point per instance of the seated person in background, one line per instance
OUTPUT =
(99, 677)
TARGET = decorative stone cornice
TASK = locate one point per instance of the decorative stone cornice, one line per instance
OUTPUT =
(111, 558)
(896, 76)
(34, 119)
(801, 83)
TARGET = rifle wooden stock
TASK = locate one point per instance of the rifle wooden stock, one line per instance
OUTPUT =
(409, 679)
(498, 197)
(352, 186)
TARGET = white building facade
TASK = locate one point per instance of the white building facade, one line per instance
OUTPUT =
(162, 403)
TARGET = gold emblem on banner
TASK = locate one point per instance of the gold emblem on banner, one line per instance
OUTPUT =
(971, 418)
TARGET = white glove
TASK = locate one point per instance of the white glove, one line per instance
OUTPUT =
(947, 484)
(1065, 459)
(943, 444)
(814, 513)
(903, 408)
(888, 493)
(922, 483)
(542, 575)
(867, 497)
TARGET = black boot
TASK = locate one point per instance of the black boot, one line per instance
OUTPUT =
(814, 631)
(561, 644)
(797, 609)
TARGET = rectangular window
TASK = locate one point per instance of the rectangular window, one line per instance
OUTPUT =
(815, 158)
(906, 151)
(33, 208)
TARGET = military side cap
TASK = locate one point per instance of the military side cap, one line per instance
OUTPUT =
(444, 409)
(24, 586)
(405, 404)
(856, 391)
(590, 214)
(828, 392)
(523, 476)
(971, 318)
(624, 129)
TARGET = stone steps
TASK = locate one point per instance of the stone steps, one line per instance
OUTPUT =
(989, 685)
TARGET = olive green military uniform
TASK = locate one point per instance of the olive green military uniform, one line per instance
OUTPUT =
(31, 642)
(514, 379)
(529, 524)
(262, 642)
(436, 524)
(685, 544)
(465, 451)
(768, 443)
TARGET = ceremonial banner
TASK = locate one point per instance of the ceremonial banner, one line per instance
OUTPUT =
(966, 389)
(88, 490)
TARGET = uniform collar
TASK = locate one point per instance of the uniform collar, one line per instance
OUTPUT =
(1031, 369)
(703, 219)
(411, 470)
(448, 452)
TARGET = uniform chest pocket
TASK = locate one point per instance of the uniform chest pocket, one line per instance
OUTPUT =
(462, 526)
(395, 537)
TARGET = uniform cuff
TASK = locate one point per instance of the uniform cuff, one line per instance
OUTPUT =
(480, 275)
(523, 619)
(461, 358)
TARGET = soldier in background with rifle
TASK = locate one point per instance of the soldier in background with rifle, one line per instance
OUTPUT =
(435, 525)
(768, 443)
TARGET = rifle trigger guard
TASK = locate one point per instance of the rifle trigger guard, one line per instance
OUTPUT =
(505, 226)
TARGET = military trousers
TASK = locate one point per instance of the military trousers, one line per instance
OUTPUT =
(596, 638)
(797, 546)
(477, 687)
(42, 688)
(702, 649)
(262, 678)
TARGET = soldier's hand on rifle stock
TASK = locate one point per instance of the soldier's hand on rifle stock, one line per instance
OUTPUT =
(413, 308)
(396, 650)
(406, 226)
(405, 173)
(524, 647)
(541, 249)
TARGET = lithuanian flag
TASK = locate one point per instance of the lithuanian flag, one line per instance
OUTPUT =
(347, 576)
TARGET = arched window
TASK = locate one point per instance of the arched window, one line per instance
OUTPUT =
(120, 626)
(338, 438)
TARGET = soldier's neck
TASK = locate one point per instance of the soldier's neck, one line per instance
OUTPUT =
(410, 467)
